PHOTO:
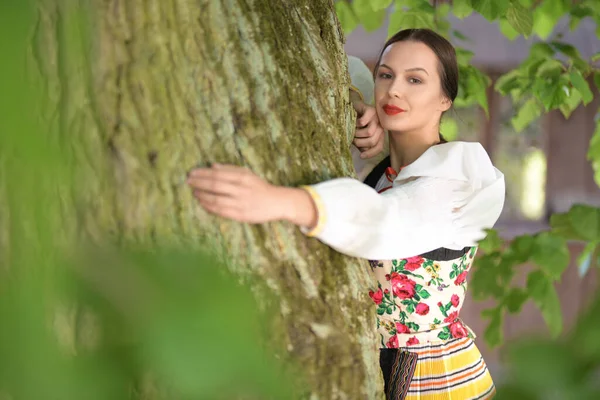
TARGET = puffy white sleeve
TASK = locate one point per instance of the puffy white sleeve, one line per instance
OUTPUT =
(362, 78)
(415, 216)
(362, 82)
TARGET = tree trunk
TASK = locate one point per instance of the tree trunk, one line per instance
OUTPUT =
(143, 90)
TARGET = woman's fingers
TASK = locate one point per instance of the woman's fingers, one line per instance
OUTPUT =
(366, 118)
(212, 184)
(371, 152)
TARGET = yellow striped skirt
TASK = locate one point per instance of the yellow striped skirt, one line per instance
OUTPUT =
(452, 370)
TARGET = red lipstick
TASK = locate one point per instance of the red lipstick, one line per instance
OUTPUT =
(392, 110)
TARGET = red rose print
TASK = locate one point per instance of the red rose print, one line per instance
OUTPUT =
(422, 309)
(451, 317)
(413, 263)
(402, 286)
(401, 328)
(458, 330)
(376, 296)
(440, 304)
(392, 343)
(460, 278)
(412, 341)
(386, 291)
(455, 300)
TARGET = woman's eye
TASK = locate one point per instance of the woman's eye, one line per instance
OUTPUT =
(414, 80)
(384, 75)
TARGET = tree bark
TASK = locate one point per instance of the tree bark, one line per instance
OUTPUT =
(143, 90)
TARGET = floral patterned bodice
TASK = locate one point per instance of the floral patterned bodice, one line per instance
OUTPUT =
(419, 299)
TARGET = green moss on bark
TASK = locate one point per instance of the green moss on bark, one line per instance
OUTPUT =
(169, 84)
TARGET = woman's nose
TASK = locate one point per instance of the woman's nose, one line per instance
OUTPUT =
(395, 89)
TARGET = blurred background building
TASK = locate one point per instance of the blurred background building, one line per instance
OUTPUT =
(545, 166)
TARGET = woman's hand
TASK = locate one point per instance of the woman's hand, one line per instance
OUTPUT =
(369, 136)
(237, 193)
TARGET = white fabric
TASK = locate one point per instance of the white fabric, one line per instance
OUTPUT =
(362, 79)
(446, 198)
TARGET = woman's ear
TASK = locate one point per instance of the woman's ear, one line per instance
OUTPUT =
(446, 104)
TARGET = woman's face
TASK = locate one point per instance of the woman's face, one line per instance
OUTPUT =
(408, 90)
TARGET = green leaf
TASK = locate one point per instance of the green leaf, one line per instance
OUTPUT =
(508, 82)
(529, 112)
(562, 226)
(594, 151)
(571, 103)
(463, 56)
(402, 19)
(461, 8)
(424, 294)
(515, 299)
(578, 12)
(419, 5)
(551, 254)
(377, 5)
(490, 9)
(595, 57)
(442, 11)
(597, 79)
(582, 86)
(585, 221)
(346, 16)
(573, 54)
(449, 129)
(520, 18)
(546, 15)
(507, 29)
(544, 295)
(459, 35)
(550, 68)
(541, 50)
(493, 332)
(521, 248)
(587, 258)
(369, 18)
(492, 242)
(381, 310)
(477, 84)
(552, 92)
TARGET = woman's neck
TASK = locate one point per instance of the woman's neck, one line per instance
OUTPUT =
(406, 147)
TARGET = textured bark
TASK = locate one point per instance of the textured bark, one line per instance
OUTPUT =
(163, 85)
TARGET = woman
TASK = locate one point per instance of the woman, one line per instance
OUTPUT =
(418, 219)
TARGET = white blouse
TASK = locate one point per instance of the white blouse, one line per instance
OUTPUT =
(446, 198)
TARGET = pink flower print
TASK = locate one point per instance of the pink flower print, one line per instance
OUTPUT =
(392, 343)
(451, 317)
(414, 263)
(460, 278)
(455, 300)
(458, 330)
(412, 341)
(376, 296)
(422, 309)
(402, 286)
(401, 328)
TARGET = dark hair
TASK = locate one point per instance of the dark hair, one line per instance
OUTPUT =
(444, 51)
